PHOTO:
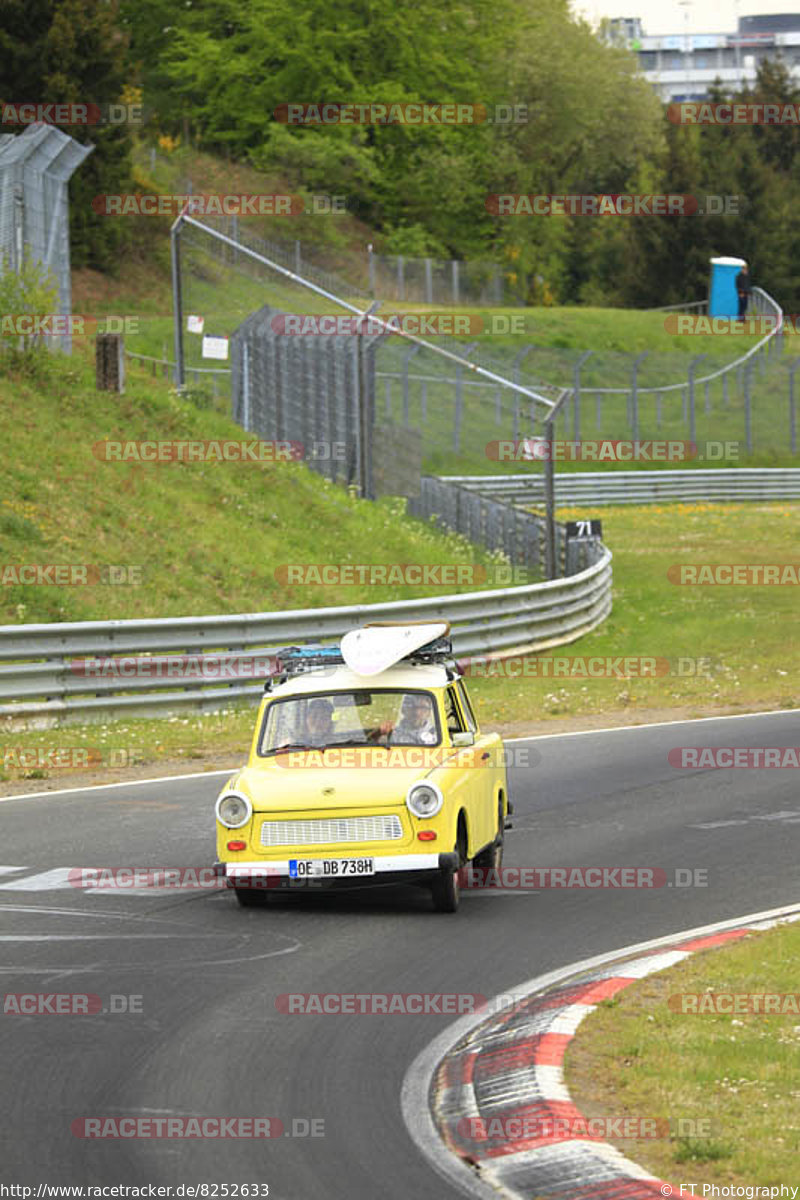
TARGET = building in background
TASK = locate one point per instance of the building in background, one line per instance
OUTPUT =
(683, 66)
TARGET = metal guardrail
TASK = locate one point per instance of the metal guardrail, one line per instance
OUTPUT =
(43, 673)
(639, 487)
(761, 305)
(683, 307)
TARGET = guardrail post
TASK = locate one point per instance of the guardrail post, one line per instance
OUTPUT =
(576, 395)
(659, 399)
(551, 543)
(401, 284)
(706, 399)
(177, 301)
(371, 269)
(456, 298)
(460, 399)
(245, 386)
(109, 362)
(725, 390)
(428, 281)
(634, 400)
(409, 354)
(792, 411)
(366, 412)
(748, 413)
(550, 504)
(523, 353)
(692, 413)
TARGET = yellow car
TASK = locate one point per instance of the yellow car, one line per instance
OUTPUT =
(356, 779)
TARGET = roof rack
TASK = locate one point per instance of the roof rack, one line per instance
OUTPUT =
(297, 660)
(436, 651)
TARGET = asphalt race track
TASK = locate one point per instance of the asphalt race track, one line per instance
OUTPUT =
(210, 1040)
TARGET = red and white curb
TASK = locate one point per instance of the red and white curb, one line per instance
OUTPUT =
(506, 1073)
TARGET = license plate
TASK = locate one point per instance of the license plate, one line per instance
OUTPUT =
(330, 868)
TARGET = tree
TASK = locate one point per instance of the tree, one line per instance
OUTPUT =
(72, 51)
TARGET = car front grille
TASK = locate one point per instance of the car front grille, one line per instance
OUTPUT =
(328, 830)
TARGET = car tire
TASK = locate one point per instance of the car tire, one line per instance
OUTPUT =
(491, 859)
(251, 897)
(446, 888)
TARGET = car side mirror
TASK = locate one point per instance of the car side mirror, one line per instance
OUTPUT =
(464, 739)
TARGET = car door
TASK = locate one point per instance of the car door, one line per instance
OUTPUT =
(471, 785)
(489, 769)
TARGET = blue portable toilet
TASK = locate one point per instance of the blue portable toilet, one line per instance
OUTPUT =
(723, 300)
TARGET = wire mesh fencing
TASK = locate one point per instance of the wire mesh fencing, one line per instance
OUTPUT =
(305, 363)
(35, 167)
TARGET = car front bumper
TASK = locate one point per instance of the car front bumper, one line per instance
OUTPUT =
(400, 868)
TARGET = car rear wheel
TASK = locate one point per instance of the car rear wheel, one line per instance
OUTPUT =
(446, 888)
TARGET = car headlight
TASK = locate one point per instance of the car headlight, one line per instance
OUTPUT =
(233, 810)
(424, 799)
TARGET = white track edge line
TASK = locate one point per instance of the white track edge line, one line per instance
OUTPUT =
(534, 737)
(415, 1091)
(101, 787)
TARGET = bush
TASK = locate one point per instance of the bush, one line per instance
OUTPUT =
(29, 292)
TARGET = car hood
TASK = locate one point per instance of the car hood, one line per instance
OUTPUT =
(319, 780)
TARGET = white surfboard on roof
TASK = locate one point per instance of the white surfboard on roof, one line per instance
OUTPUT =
(375, 648)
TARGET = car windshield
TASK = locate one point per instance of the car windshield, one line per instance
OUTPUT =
(383, 718)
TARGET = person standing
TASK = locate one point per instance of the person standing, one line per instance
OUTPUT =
(743, 289)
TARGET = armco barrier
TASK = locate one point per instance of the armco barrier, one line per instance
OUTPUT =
(639, 487)
(39, 682)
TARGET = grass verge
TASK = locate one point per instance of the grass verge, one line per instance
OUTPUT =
(199, 537)
(725, 647)
(731, 1079)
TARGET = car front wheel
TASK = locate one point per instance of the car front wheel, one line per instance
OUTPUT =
(446, 888)
(491, 859)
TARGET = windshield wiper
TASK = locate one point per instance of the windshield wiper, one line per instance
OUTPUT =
(288, 747)
(346, 742)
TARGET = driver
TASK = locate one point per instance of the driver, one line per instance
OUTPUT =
(416, 726)
(319, 722)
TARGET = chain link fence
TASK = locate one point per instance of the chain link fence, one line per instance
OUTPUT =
(299, 375)
(455, 395)
(35, 167)
(670, 395)
(303, 390)
(401, 280)
(321, 379)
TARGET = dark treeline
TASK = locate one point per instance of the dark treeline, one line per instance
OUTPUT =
(216, 71)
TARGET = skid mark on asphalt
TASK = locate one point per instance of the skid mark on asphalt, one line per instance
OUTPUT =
(94, 914)
(786, 816)
(61, 879)
(60, 969)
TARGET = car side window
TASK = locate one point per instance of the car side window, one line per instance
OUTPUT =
(455, 722)
(472, 724)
